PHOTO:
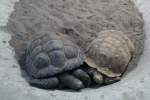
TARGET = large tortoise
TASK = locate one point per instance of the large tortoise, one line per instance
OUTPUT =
(49, 57)
(105, 36)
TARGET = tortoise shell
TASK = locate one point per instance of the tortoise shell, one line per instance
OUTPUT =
(49, 55)
(110, 53)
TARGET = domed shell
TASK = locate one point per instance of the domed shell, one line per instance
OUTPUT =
(110, 53)
(49, 54)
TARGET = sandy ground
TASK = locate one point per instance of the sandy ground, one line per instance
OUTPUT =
(135, 86)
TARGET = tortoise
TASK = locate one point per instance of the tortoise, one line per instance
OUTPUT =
(108, 35)
(50, 54)
(109, 54)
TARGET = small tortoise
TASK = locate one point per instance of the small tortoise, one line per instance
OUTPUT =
(110, 54)
(75, 43)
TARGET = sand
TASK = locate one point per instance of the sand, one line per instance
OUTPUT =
(13, 87)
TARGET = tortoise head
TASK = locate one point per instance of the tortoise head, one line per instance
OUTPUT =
(110, 53)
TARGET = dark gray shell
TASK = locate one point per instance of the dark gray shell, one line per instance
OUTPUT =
(49, 55)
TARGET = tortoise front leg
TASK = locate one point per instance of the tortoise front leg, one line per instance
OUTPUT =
(48, 83)
(83, 76)
(70, 81)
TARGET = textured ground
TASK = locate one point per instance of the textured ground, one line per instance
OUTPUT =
(135, 86)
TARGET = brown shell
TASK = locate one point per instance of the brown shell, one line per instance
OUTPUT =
(110, 52)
